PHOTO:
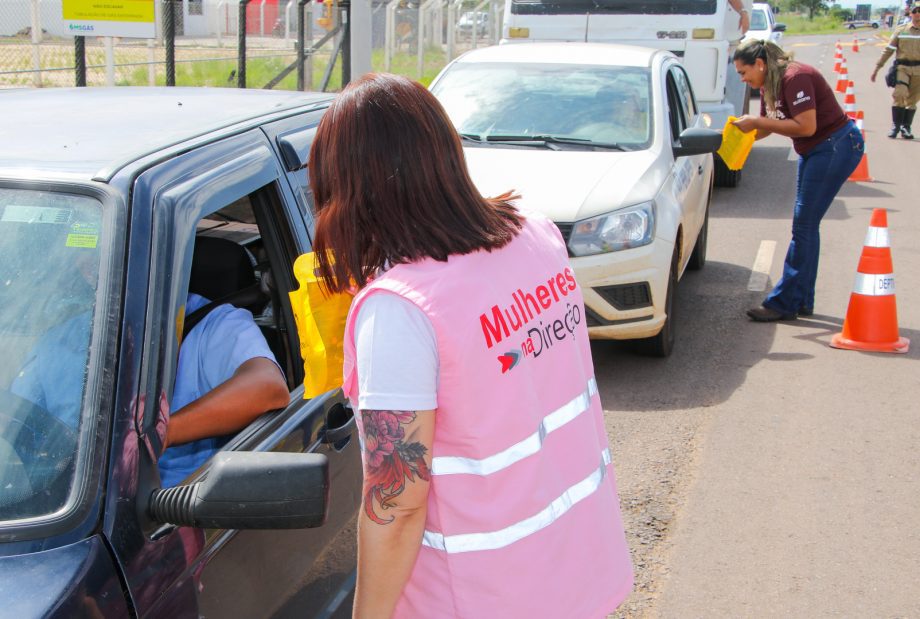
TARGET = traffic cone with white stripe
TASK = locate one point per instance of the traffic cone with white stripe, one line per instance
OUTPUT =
(872, 315)
(861, 173)
(849, 101)
(855, 44)
(859, 123)
(844, 79)
(838, 56)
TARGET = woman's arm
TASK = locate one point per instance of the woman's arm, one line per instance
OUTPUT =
(801, 126)
(397, 461)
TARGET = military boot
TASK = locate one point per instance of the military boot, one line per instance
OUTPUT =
(897, 117)
(905, 124)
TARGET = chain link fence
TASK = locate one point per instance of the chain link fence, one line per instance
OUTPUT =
(413, 39)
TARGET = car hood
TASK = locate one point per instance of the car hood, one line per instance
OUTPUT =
(566, 185)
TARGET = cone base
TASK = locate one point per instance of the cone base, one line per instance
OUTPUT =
(900, 346)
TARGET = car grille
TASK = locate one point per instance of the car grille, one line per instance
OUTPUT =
(627, 296)
(565, 229)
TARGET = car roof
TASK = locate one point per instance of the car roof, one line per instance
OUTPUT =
(90, 133)
(610, 54)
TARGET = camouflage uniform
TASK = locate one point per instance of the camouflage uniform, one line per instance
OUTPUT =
(906, 42)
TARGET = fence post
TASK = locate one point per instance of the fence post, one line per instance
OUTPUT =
(79, 53)
(241, 46)
(346, 42)
(262, 18)
(169, 41)
(109, 61)
(301, 44)
(151, 60)
(36, 42)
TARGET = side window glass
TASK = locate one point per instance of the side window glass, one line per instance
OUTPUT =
(675, 109)
(685, 92)
(237, 350)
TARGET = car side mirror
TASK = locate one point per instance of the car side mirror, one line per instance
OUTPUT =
(697, 141)
(250, 490)
(779, 27)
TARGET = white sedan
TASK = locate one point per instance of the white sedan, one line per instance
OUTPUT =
(607, 141)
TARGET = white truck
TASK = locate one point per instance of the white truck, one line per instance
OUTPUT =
(703, 33)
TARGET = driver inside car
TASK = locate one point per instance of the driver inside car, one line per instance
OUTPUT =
(226, 377)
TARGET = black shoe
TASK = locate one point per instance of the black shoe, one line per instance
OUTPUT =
(765, 314)
(897, 119)
(905, 124)
(806, 311)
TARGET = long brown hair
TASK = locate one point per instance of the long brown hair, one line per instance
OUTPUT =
(775, 60)
(391, 186)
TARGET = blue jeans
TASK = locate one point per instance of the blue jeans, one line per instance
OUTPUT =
(822, 172)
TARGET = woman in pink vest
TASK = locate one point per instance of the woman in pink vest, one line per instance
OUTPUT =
(488, 487)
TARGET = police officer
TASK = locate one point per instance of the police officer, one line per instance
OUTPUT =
(906, 42)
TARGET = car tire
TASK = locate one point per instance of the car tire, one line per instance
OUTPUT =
(698, 257)
(875, 26)
(662, 344)
(724, 176)
(851, 27)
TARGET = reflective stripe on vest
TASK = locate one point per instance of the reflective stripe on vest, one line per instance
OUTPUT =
(874, 285)
(492, 540)
(453, 465)
(877, 237)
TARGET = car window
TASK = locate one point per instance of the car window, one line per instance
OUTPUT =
(676, 109)
(759, 20)
(685, 94)
(50, 262)
(596, 103)
(236, 309)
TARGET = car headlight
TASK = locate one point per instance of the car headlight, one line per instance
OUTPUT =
(622, 229)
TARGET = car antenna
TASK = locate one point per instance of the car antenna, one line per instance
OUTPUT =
(587, 22)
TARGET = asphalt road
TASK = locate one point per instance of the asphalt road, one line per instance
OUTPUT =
(763, 473)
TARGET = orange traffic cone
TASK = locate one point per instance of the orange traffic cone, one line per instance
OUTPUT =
(855, 44)
(861, 173)
(849, 100)
(844, 79)
(838, 56)
(872, 315)
(859, 123)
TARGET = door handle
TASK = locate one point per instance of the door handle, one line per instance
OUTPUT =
(340, 424)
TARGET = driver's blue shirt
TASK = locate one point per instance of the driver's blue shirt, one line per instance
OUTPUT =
(55, 372)
(210, 354)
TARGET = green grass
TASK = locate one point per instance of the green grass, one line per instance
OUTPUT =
(407, 64)
(800, 24)
(259, 71)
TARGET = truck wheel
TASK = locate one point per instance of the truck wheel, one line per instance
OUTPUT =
(724, 176)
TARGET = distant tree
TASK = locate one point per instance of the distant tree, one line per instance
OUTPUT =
(813, 7)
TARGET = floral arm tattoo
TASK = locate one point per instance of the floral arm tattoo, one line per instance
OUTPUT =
(389, 461)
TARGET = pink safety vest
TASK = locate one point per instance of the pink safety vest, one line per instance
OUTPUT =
(523, 516)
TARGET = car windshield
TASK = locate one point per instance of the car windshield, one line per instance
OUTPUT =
(590, 104)
(49, 272)
(758, 20)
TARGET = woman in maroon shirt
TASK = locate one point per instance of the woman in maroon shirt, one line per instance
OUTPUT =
(798, 103)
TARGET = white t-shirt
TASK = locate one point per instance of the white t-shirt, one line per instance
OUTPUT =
(397, 355)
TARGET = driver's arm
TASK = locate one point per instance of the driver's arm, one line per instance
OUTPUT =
(255, 388)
